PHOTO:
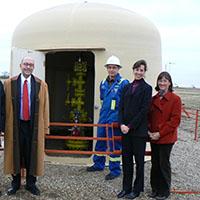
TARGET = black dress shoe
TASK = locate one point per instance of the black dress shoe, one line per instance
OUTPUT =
(33, 190)
(93, 169)
(12, 190)
(161, 197)
(122, 194)
(132, 195)
(152, 194)
(110, 177)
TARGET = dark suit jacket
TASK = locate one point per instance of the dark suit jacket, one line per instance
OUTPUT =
(16, 92)
(2, 108)
(134, 107)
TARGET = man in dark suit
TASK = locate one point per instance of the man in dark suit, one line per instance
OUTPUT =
(2, 109)
(27, 114)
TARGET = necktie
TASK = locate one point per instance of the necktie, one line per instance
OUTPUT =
(25, 101)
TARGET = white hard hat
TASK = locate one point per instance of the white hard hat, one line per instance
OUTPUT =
(113, 60)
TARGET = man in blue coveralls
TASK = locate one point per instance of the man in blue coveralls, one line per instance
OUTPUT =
(110, 94)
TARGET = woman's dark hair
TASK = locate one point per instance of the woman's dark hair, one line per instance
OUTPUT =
(140, 62)
(168, 77)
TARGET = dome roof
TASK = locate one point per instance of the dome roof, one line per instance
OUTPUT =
(85, 25)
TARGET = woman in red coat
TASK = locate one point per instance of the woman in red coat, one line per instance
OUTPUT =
(164, 119)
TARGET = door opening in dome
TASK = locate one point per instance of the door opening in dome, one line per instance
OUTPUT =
(70, 78)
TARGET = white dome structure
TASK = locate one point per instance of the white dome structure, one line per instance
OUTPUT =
(93, 32)
(86, 25)
(91, 26)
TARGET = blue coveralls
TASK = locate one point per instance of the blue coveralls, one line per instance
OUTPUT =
(110, 97)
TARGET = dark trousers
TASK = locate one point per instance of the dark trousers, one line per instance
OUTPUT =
(161, 169)
(133, 146)
(25, 140)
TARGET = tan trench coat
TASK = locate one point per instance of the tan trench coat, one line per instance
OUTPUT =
(42, 124)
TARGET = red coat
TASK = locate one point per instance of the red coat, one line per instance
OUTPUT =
(165, 117)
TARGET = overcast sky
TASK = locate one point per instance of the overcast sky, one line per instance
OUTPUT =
(178, 22)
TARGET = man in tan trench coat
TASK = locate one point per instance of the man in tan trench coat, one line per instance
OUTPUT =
(27, 121)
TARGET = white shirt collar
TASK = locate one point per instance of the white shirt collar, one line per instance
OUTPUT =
(23, 79)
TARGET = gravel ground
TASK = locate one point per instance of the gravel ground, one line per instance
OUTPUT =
(66, 182)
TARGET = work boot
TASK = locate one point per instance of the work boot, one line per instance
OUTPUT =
(93, 169)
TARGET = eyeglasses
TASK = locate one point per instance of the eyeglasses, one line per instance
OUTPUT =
(28, 64)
